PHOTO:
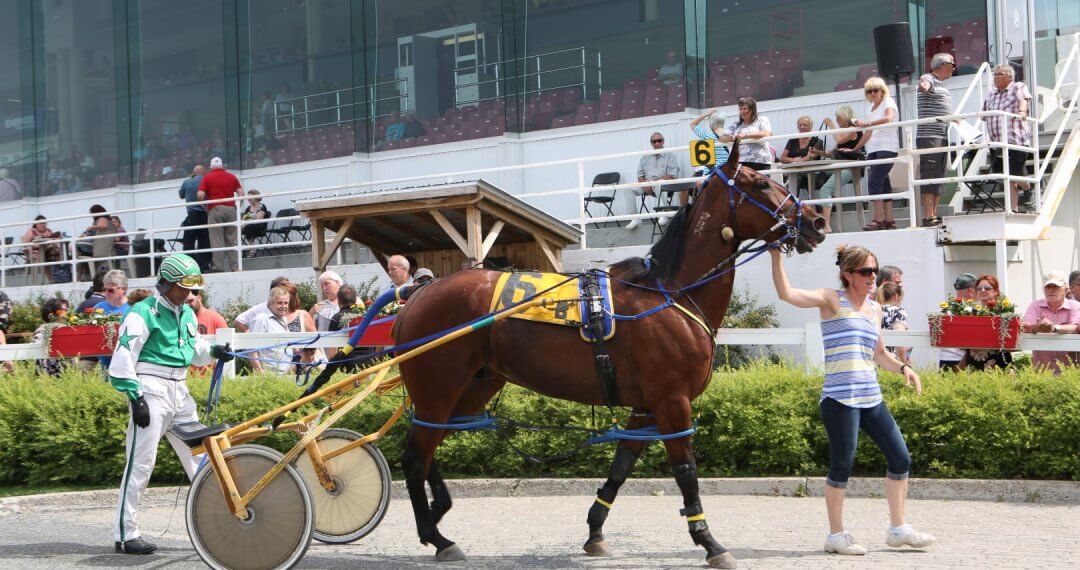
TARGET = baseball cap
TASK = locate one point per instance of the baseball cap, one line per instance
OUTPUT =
(423, 272)
(215, 162)
(964, 281)
(1054, 278)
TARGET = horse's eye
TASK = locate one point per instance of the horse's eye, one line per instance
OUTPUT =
(763, 184)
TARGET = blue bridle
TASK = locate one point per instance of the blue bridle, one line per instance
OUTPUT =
(781, 220)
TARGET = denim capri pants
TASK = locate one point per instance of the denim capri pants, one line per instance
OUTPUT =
(842, 424)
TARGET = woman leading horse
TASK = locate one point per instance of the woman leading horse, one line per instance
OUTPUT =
(662, 362)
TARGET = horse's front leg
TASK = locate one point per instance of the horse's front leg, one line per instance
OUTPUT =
(672, 417)
(625, 456)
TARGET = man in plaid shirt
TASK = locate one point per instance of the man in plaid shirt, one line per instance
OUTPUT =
(1012, 97)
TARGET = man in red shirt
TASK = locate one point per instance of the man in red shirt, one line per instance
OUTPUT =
(218, 184)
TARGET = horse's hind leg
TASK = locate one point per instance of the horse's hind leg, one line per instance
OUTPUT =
(416, 460)
(671, 417)
(626, 455)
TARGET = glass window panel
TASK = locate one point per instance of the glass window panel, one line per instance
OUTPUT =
(436, 72)
(17, 161)
(958, 27)
(178, 110)
(770, 50)
(602, 60)
(301, 102)
(79, 100)
(1055, 22)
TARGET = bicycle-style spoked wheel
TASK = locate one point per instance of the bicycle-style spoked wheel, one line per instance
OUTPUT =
(280, 520)
(361, 494)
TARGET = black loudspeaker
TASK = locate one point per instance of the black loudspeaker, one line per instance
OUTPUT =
(893, 45)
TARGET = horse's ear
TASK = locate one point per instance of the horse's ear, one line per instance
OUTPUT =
(733, 156)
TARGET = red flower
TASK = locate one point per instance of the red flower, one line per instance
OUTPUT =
(991, 303)
(89, 310)
(369, 302)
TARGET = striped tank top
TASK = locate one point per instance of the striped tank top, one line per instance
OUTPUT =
(850, 339)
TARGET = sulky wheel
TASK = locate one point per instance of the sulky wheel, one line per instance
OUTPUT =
(280, 520)
(361, 494)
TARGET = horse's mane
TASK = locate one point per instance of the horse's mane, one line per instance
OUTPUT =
(664, 256)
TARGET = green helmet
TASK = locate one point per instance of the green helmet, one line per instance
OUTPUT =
(182, 269)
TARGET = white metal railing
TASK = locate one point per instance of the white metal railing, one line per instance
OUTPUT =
(167, 231)
(295, 114)
(807, 340)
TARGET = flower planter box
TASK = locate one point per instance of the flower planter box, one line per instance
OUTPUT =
(82, 340)
(377, 334)
(975, 332)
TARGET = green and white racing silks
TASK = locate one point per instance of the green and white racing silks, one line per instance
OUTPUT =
(159, 339)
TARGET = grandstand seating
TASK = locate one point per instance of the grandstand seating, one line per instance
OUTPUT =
(761, 74)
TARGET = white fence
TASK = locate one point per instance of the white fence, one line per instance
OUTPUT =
(807, 340)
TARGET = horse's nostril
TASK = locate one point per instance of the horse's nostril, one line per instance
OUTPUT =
(819, 224)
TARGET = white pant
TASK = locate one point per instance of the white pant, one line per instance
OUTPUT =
(169, 403)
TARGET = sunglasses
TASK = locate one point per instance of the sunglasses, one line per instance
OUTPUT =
(866, 271)
(192, 282)
(114, 289)
(873, 90)
(654, 141)
(985, 288)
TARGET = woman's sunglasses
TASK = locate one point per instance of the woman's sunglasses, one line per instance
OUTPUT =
(873, 90)
(866, 271)
(985, 288)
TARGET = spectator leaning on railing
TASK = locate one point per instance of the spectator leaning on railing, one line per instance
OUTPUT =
(196, 216)
(1012, 97)
(1052, 314)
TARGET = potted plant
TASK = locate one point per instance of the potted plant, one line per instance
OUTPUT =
(965, 323)
(378, 332)
(90, 333)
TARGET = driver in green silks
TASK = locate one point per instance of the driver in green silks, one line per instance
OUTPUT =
(158, 340)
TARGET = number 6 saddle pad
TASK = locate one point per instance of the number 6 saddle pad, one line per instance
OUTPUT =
(570, 308)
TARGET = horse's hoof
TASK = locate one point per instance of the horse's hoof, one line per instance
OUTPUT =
(450, 554)
(598, 548)
(725, 560)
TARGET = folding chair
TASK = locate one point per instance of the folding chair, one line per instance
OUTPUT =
(668, 193)
(605, 199)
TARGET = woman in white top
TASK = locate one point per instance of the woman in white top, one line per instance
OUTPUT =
(880, 143)
(324, 310)
(749, 129)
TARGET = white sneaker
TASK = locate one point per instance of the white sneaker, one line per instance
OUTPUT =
(907, 536)
(843, 543)
(633, 223)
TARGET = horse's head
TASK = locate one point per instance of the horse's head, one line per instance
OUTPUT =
(759, 208)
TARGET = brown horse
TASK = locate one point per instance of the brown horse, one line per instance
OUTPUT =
(662, 362)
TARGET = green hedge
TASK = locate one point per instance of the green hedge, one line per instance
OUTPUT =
(761, 420)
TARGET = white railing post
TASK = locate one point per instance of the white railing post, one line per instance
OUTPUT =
(150, 245)
(3, 256)
(813, 347)
(581, 202)
(221, 338)
(239, 240)
(74, 248)
(913, 204)
(1005, 163)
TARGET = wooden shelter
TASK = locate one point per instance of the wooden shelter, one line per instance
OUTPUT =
(445, 227)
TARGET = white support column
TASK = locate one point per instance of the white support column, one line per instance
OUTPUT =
(814, 347)
(223, 337)
(1001, 263)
